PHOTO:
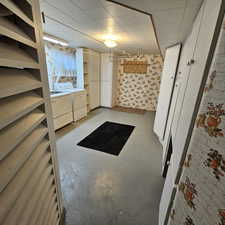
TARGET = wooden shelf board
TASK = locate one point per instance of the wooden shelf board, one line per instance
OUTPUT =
(14, 81)
(45, 215)
(4, 11)
(11, 164)
(44, 187)
(9, 4)
(38, 218)
(26, 177)
(13, 134)
(13, 31)
(14, 107)
(29, 1)
(52, 215)
(13, 56)
(45, 197)
(19, 215)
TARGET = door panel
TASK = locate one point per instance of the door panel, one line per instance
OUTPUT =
(184, 69)
(209, 20)
(94, 94)
(166, 89)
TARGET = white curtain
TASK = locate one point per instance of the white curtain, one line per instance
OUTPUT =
(61, 63)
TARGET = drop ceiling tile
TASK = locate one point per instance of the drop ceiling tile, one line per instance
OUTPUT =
(67, 8)
(97, 13)
(117, 10)
(54, 13)
(87, 4)
(74, 38)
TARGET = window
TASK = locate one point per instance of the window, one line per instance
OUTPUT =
(61, 65)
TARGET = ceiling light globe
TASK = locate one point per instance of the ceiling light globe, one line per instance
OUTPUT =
(110, 43)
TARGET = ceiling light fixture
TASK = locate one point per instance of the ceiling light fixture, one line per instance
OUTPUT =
(110, 43)
(55, 40)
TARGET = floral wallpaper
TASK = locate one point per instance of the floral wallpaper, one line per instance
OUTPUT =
(200, 199)
(140, 90)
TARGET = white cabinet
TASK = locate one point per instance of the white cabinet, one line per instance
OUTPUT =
(79, 100)
(62, 110)
(108, 79)
(69, 107)
(94, 90)
(94, 65)
(94, 79)
(88, 71)
(63, 120)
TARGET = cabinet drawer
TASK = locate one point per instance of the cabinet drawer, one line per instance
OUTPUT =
(80, 101)
(79, 113)
(63, 120)
(61, 105)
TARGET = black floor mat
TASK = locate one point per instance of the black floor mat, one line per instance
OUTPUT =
(109, 137)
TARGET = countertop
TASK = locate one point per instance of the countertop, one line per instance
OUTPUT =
(67, 92)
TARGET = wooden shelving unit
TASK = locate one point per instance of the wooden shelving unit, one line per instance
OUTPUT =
(28, 161)
(16, 106)
(9, 29)
(25, 178)
(10, 137)
(13, 7)
(23, 81)
(13, 56)
(87, 77)
(10, 165)
(82, 59)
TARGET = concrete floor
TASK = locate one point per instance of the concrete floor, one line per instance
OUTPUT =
(102, 189)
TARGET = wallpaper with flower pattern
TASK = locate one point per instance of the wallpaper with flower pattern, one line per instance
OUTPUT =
(200, 199)
(140, 90)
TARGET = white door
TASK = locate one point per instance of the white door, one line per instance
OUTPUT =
(184, 69)
(180, 86)
(208, 24)
(203, 31)
(166, 196)
(166, 89)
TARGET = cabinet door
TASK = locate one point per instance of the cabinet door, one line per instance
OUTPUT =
(94, 94)
(94, 66)
(79, 100)
(106, 94)
(166, 89)
(106, 68)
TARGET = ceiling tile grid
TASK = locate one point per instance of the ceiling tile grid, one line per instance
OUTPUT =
(97, 18)
(81, 22)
